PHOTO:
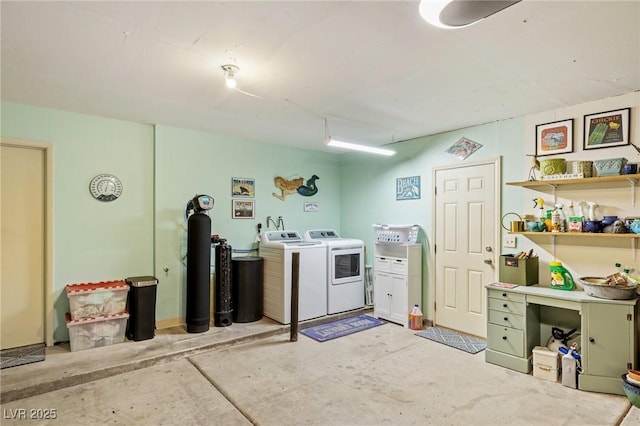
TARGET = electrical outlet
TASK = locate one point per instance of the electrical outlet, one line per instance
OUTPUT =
(510, 241)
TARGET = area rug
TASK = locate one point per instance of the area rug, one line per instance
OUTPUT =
(23, 355)
(454, 339)
(339, 328)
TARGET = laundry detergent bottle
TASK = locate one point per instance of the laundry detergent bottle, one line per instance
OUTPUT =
(561, 279)
(415, 318)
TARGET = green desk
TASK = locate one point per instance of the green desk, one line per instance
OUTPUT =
(521, 318)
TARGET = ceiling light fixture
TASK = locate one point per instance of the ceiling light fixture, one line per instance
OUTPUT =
(230, 75)
(460, 13)
(329, 141)
(356, 147)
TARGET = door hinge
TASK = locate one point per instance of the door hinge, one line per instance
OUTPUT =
(435, 249)
(629, 317)
(435, 190)
(629, 366)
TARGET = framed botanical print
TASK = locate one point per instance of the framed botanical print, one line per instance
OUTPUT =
(554, 138)
(607, 129)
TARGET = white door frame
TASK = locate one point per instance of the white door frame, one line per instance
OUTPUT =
(497, 162)
(48, 237)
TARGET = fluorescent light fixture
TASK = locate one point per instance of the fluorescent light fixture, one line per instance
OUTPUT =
(356, 147)
(460, 13)
(230, 75)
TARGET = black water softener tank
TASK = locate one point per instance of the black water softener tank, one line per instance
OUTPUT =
(247, 275)
(199, 265)
(222, 314)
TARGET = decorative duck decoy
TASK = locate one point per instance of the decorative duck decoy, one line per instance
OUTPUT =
(310, 188)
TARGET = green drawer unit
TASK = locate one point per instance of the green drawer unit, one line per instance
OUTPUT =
(506, 340)
(506, 295)
(506, 306)
(506, 319)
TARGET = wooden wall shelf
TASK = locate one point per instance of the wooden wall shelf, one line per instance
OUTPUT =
(558, 182)
(627, 236)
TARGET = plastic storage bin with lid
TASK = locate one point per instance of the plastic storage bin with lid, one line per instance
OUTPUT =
(89, 300)
(90, 333)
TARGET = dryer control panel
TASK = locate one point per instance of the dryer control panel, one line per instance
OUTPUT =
(321, 234)
(282, 236)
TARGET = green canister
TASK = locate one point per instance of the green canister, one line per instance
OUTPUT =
(561, 279)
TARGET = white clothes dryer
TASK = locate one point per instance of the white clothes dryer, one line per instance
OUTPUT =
(276, 248)
(345, 270)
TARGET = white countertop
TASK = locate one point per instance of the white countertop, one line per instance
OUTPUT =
(565, 295)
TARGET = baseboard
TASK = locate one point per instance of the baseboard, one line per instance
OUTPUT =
(170, 322)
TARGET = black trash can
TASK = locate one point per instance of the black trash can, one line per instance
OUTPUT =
(247, 288)
(142, 307)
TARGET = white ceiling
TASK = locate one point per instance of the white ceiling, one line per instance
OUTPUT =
(374, 69)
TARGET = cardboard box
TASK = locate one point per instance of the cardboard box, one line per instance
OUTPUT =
(575, 224)
(518, 271)
(545, 364)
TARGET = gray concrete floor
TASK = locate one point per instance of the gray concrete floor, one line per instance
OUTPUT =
(252, 374)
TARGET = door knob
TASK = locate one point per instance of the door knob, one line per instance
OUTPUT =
(488, 261)
(489, 249)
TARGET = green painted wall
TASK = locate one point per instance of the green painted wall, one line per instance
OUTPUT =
(189, 163)
(161, 169)
(93, 240)
(368, 190)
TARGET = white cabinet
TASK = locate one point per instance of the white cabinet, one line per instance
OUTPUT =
(397, 274)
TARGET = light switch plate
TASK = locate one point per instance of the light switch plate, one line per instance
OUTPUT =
(510, 241)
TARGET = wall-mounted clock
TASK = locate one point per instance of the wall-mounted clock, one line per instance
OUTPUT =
(105, 187)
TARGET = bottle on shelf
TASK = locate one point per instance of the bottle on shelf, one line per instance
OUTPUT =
(539, 202)
(555, 220)
(592, 210)
(570, 210)
(562, 222)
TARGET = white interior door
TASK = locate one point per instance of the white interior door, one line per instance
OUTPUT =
(466, 208)
(22, 259)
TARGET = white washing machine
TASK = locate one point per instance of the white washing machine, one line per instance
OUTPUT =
(345, 269)
(276, 248)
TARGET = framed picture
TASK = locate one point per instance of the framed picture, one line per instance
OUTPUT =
(311, 207)
(243, 209)
(243, 187)
(554, 138)
(463, 148)
(607, 129)
(408, 188)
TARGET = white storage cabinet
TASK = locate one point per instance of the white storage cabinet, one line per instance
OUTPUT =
(397, 274)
